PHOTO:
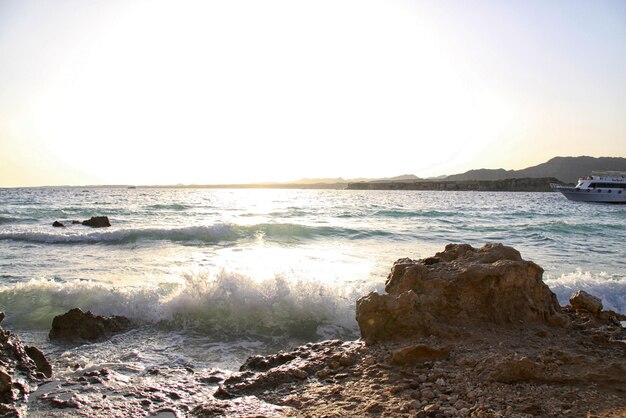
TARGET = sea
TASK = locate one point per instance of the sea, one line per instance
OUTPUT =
(212, 276)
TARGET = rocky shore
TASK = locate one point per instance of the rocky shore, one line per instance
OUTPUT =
(466, 333)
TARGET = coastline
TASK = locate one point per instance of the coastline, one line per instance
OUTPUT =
(512, 360)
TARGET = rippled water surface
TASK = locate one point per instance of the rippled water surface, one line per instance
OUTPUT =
(214, 275)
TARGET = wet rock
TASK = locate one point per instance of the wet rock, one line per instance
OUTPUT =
(492, 284)
(41, 362)
(264, 363)
(1, 316)
(419, 353)
(585, 301)
(97, 222)
(6, 386)
(78, 326)
(248, 406)
(19, 374)
(58, 224)
(288, 368)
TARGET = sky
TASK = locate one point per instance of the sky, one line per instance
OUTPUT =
(215, 91)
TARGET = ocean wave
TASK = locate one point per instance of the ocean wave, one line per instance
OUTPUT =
(398, 213)
(610, 288)
(210, 234)
(205, 234)
(5, 220)
(170, 206)
(224, 304)
(567, 228)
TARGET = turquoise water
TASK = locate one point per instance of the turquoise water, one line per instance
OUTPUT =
(214, 275)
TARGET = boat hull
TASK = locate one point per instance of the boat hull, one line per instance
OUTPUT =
(593, 195)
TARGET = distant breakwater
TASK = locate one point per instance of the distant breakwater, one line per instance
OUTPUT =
(506, 185)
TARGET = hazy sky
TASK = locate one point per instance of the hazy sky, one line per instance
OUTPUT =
(162, 92)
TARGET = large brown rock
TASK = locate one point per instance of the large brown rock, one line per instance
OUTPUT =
(459, 286)
(78, 326)
(585, 301)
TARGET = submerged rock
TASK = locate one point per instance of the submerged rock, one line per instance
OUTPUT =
(585, 301)
(97, 222)
(77, 326)
(461, 285)
(58, 224)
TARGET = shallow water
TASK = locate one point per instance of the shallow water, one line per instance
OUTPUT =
(216, 275)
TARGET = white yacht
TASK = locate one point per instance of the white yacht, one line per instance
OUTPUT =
(605, 187)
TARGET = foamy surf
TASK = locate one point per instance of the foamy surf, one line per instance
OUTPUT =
(222, 304)
(202, 233)
(610, 288)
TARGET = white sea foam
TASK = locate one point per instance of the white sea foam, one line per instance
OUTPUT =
(225, 304)
(610, 288)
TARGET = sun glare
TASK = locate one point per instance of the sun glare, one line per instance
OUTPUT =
(243, 91)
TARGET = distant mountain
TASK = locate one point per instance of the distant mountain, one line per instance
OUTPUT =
(340, 180)
(318, 181)
(403, 177)
(566, 169)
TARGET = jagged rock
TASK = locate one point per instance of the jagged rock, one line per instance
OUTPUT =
(264, 363)
(76, 325)
(58, 224)
(40, 360)
(1, 316)
(16, 369)
(585, 301)
(6, 386)
(97, 222)
(419, 353)
(466, 285)
(263, 373)
(247, 406)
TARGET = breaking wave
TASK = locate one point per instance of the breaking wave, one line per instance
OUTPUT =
(224, 304)
(207, 234)
(610, 288)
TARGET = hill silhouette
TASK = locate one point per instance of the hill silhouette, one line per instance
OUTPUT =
(566, 169)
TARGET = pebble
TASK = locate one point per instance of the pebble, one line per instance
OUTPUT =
(414, 404)
(450, 412)
(428, 394)
(396, 389)
(431, 408)
(299, 373)
(375, 407)
(346, 360)
(460, 404)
